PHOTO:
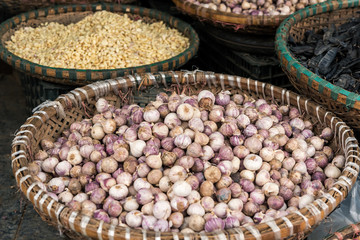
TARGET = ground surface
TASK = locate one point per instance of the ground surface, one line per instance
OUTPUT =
(18, 219)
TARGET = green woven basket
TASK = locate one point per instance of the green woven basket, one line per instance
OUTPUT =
(81, 77)
(338, 100)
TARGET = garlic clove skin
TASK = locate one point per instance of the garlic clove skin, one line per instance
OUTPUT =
(137, 147)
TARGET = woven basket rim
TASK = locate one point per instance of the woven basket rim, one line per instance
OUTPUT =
(281, 38)
(303, 219)
(225, 18)
(25, 65)
(339, 232)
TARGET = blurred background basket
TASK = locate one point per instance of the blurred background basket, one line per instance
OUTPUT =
(53, 117)
(9, 8)
(235, 22)
(250, 61)
(351, 231)
(42, 82)
(236, 53)
(336, 99)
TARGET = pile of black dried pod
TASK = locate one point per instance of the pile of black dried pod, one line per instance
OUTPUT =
(333, 53)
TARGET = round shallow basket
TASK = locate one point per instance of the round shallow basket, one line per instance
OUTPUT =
(351, 231)
(236, 22)
(336, 99)
(55, 116)
(64, 80)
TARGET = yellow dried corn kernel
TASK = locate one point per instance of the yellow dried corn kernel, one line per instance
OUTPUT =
(103, 40)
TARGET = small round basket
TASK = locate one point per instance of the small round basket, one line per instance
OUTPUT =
(62, 80)
(336, 99)
(55, 116)
(236, 22)
(351, 231)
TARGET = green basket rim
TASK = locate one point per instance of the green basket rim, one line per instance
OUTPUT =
(283, 51)
(22, 64)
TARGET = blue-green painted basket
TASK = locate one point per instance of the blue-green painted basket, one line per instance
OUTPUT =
(338, 100)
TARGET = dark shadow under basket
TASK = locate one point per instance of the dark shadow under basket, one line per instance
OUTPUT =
(236, 22)
(257, 66)
(53, 117)
(338, 100)
(37, 90)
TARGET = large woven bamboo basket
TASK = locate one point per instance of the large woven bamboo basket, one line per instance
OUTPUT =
(236, 22)
(74, 13)
(55, 116)
(336, 99)
(351, 231)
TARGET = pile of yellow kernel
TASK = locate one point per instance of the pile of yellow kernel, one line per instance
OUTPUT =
(103, 40)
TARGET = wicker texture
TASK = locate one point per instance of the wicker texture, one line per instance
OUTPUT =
(237, 22)
(37, 91)
(54, 117)
(348, 232)
(337, 100)
(74, 13)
